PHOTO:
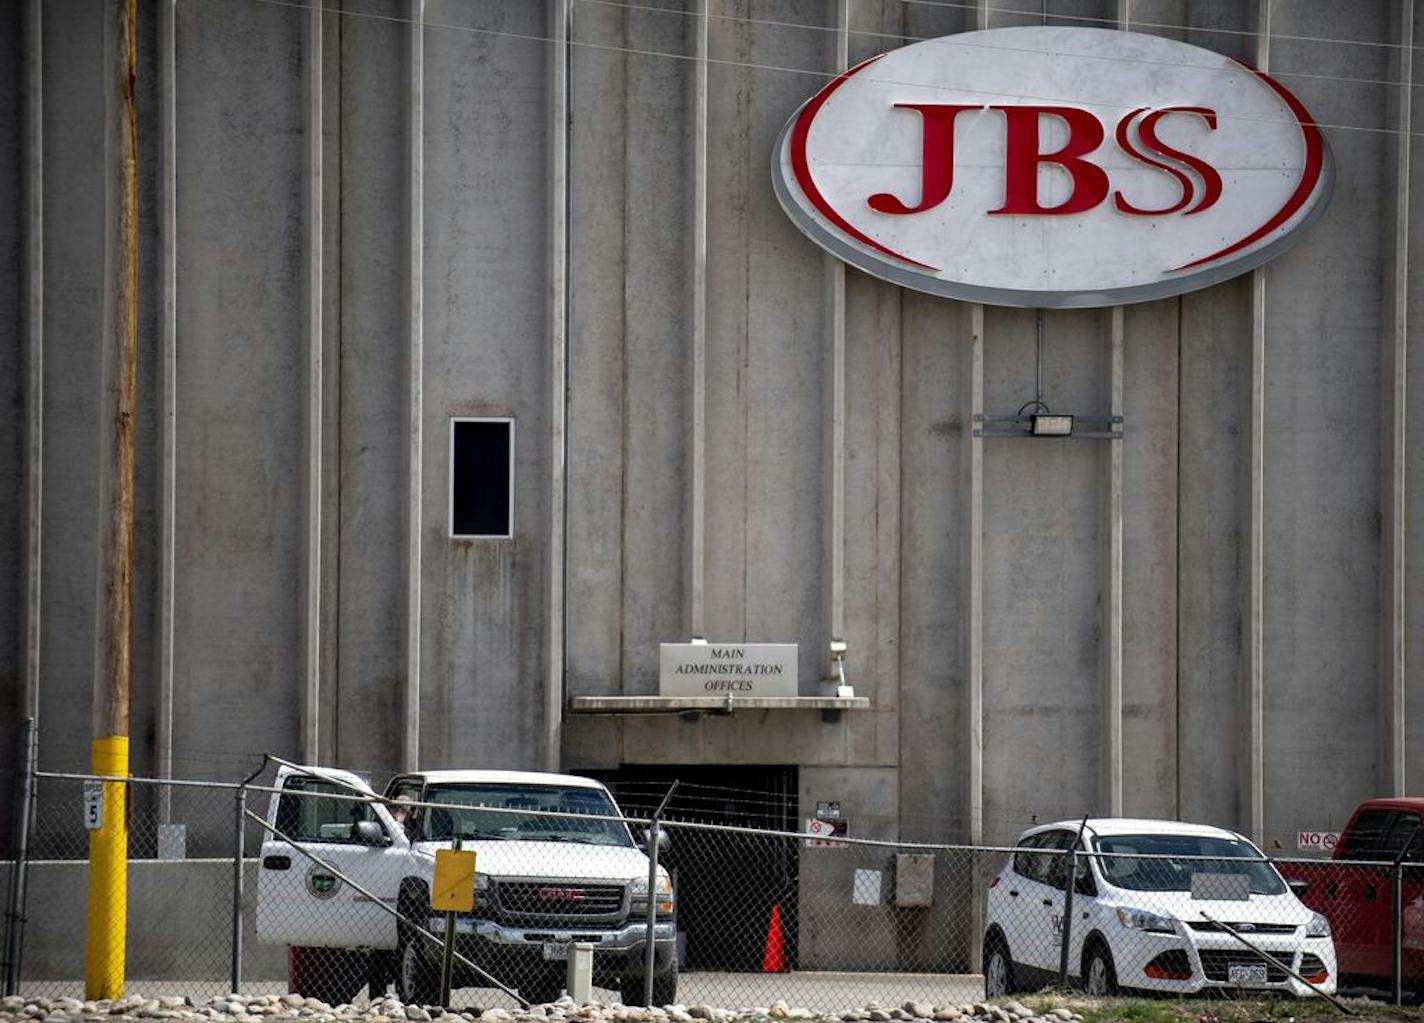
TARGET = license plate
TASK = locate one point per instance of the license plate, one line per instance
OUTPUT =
(1239, 974)
(558, 952)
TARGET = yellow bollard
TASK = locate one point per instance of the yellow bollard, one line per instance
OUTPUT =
(107, 925)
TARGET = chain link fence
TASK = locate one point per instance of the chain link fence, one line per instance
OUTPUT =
(325, 890)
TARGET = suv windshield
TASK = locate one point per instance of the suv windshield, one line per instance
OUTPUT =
(494, 814)
(1184, 855)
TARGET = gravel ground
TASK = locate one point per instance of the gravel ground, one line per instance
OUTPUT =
(275, 1008)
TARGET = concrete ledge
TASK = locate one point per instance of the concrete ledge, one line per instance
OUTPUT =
(726, 704)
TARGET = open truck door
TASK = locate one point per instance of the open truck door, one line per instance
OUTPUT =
(329, 926)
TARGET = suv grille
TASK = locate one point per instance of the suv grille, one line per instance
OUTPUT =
(1216, 965)
(546, 899)
(1244, 928)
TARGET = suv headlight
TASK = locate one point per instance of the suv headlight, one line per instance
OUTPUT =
(481, 882)
(638, 891)
(1141, 920)
(1319, 927)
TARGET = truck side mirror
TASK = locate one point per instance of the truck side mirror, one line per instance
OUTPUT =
(1297, 887)
(664, 839)
(369, 833)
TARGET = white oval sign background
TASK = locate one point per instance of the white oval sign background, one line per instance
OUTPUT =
(1059, 167)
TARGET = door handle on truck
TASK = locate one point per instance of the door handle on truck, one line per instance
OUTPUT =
(1013, 893)
(1048, 902)
(276, 862)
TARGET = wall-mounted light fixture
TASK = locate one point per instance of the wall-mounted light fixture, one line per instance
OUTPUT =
(1044, 423)
(1035, 419)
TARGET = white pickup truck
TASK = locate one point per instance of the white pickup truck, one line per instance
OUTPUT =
(542, 883)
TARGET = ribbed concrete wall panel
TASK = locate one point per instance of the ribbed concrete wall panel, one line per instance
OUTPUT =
(365, 561)
(74, 311)
(239, 392)
(602, 213)
(486, 354)
(656, 321)
(1213, 488)
(1043, 522)
(13, 363)
(1150, 556)
(1325, 316)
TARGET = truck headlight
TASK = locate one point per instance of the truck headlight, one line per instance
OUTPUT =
(1319, 927)
(638, 891)
(482, 892)
(1141, 920)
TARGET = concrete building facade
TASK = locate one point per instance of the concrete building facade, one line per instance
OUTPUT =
(361, 222)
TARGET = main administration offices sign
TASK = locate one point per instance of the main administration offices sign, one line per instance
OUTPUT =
(1058, 167)
(741, 670)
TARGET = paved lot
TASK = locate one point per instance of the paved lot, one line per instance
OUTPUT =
(823, 992)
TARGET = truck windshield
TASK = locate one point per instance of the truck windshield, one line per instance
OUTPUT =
(1182, 856)
(491, 811)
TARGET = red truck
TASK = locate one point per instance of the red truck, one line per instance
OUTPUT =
(1354, 890)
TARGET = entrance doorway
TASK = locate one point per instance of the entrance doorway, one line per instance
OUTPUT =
(727, 882)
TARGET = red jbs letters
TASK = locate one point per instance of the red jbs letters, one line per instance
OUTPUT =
(1024, 155)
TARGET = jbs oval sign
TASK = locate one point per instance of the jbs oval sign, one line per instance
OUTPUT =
(1053, 167)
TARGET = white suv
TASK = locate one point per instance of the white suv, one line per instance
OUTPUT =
(1149, 902)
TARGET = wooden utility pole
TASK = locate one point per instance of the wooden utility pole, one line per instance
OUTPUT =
(108, 843)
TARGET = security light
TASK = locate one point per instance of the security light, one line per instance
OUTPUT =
(1049, 425)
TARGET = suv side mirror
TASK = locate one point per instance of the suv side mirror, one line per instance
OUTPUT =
(1298, 887)
(369, 833)
(664, 839)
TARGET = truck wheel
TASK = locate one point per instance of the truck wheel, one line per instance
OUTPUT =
(630, 987)
(416, 980)
(665, 986)
(330, 975)
(543, 989)
(380, 969)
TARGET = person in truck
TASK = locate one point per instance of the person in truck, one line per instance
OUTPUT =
(403, 810)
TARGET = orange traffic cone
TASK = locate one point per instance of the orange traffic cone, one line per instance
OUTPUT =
(773, 960)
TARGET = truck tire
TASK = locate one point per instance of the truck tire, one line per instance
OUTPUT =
(416, 980)
(330, 975)
(630, 987)
(543, 989)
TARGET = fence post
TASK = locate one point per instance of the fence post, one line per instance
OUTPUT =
(1070, 881)
(20, 864)
(239, 853)
(1070, 876)
(649, 946)
(1396, 929)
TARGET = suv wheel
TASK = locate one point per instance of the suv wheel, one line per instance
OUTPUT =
(998, 968)
(1099, 977)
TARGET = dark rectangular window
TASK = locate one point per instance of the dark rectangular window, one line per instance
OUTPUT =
(481, 477)
(304, 814)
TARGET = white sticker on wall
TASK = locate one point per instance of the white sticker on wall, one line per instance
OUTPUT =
(865, 889)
